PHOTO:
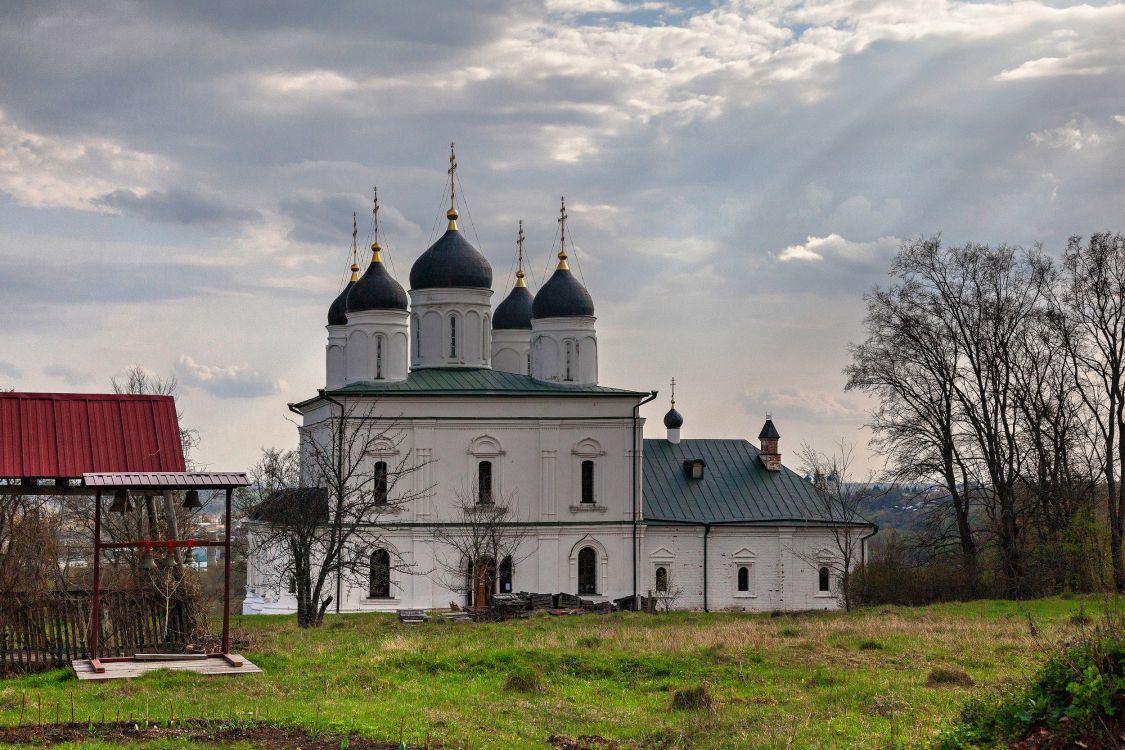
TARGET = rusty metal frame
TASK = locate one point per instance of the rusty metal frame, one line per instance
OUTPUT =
(95, 603)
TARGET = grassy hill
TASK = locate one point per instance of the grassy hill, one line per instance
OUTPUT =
(884, 677)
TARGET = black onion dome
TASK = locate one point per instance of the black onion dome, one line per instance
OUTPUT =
(562, 297)
(514, 312)
(451, 262)
(338, 310)
(376, 290)
(673, 420)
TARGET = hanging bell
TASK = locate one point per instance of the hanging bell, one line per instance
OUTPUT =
(148, 562)
(169, 560)
(191, 500)
(121, 502)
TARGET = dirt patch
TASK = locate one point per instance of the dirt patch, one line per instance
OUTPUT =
(586, 742)
(1110, 737)
(258, 735)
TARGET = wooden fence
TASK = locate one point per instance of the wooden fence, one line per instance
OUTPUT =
(48, 629)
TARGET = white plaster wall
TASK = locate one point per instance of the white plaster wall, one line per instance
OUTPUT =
(549, 340)
(335, 357)
(362, 333)
(510, 349)
(435, 308)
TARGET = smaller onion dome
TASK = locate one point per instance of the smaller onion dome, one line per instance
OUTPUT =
(376, 289)
(563, 296)
(338, 310)
(673, 420)
(514, 313)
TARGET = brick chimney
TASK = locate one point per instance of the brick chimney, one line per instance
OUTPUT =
(771, 459)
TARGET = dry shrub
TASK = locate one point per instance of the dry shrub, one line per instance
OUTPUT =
(692, 699)
(940, 676)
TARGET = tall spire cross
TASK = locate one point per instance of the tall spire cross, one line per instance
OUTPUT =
(519, 258)
(355, 250)
(451, 214)
(376, 248)
(452, 174)
(673, 393)
(563, 266)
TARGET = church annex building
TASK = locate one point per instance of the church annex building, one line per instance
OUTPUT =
(506, 400)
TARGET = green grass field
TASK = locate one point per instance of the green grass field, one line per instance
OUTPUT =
(827, 680)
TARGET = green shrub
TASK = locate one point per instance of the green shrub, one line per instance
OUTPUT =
(790, 632)
(870, 645)
(1071, 695)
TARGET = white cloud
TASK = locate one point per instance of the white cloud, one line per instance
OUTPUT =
(1047, 67)
(816, 249)
(233, 381)
(1073, 136)
(39, 170)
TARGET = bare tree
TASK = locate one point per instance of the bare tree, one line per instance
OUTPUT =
(1092, 297)
(983, 297)
(910, 365)
(486, 533)
(316, 518)
(839, 498)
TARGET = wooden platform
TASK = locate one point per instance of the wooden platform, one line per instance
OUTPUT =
(117, 670)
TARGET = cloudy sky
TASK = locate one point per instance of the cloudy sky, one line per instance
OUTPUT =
(177, 179)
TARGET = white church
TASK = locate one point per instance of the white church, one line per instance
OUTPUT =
(507, 399)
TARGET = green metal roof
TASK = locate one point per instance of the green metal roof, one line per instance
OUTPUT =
(474, 381)
(735, 488)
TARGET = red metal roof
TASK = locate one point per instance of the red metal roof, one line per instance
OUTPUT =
(69, 434)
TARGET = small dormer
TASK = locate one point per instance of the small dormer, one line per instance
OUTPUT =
(693, 468)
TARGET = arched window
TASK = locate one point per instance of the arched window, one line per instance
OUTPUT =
(292, 584)
(380, 480)
(380, 583)
(484, 482)
(587, 571)
(452, 335)
(587, 481)
(484, 329)
(506, 575)
(417, 326)
(744, 578)
(662, 579)
(825, 579)
(378, 357)
(569, 358)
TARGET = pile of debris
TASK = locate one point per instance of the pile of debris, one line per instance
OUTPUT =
(519, 605)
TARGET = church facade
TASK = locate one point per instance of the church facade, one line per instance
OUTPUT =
(505, 402)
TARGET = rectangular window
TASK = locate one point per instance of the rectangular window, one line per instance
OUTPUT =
(588, 481)
(484, 482)
(380, 488)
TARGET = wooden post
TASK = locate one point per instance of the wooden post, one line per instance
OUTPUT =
(95, 619)
(226, 577)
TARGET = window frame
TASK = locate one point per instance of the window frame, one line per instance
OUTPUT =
(661, 586)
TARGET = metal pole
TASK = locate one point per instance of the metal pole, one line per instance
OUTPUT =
(94, 609)
(226, 578)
